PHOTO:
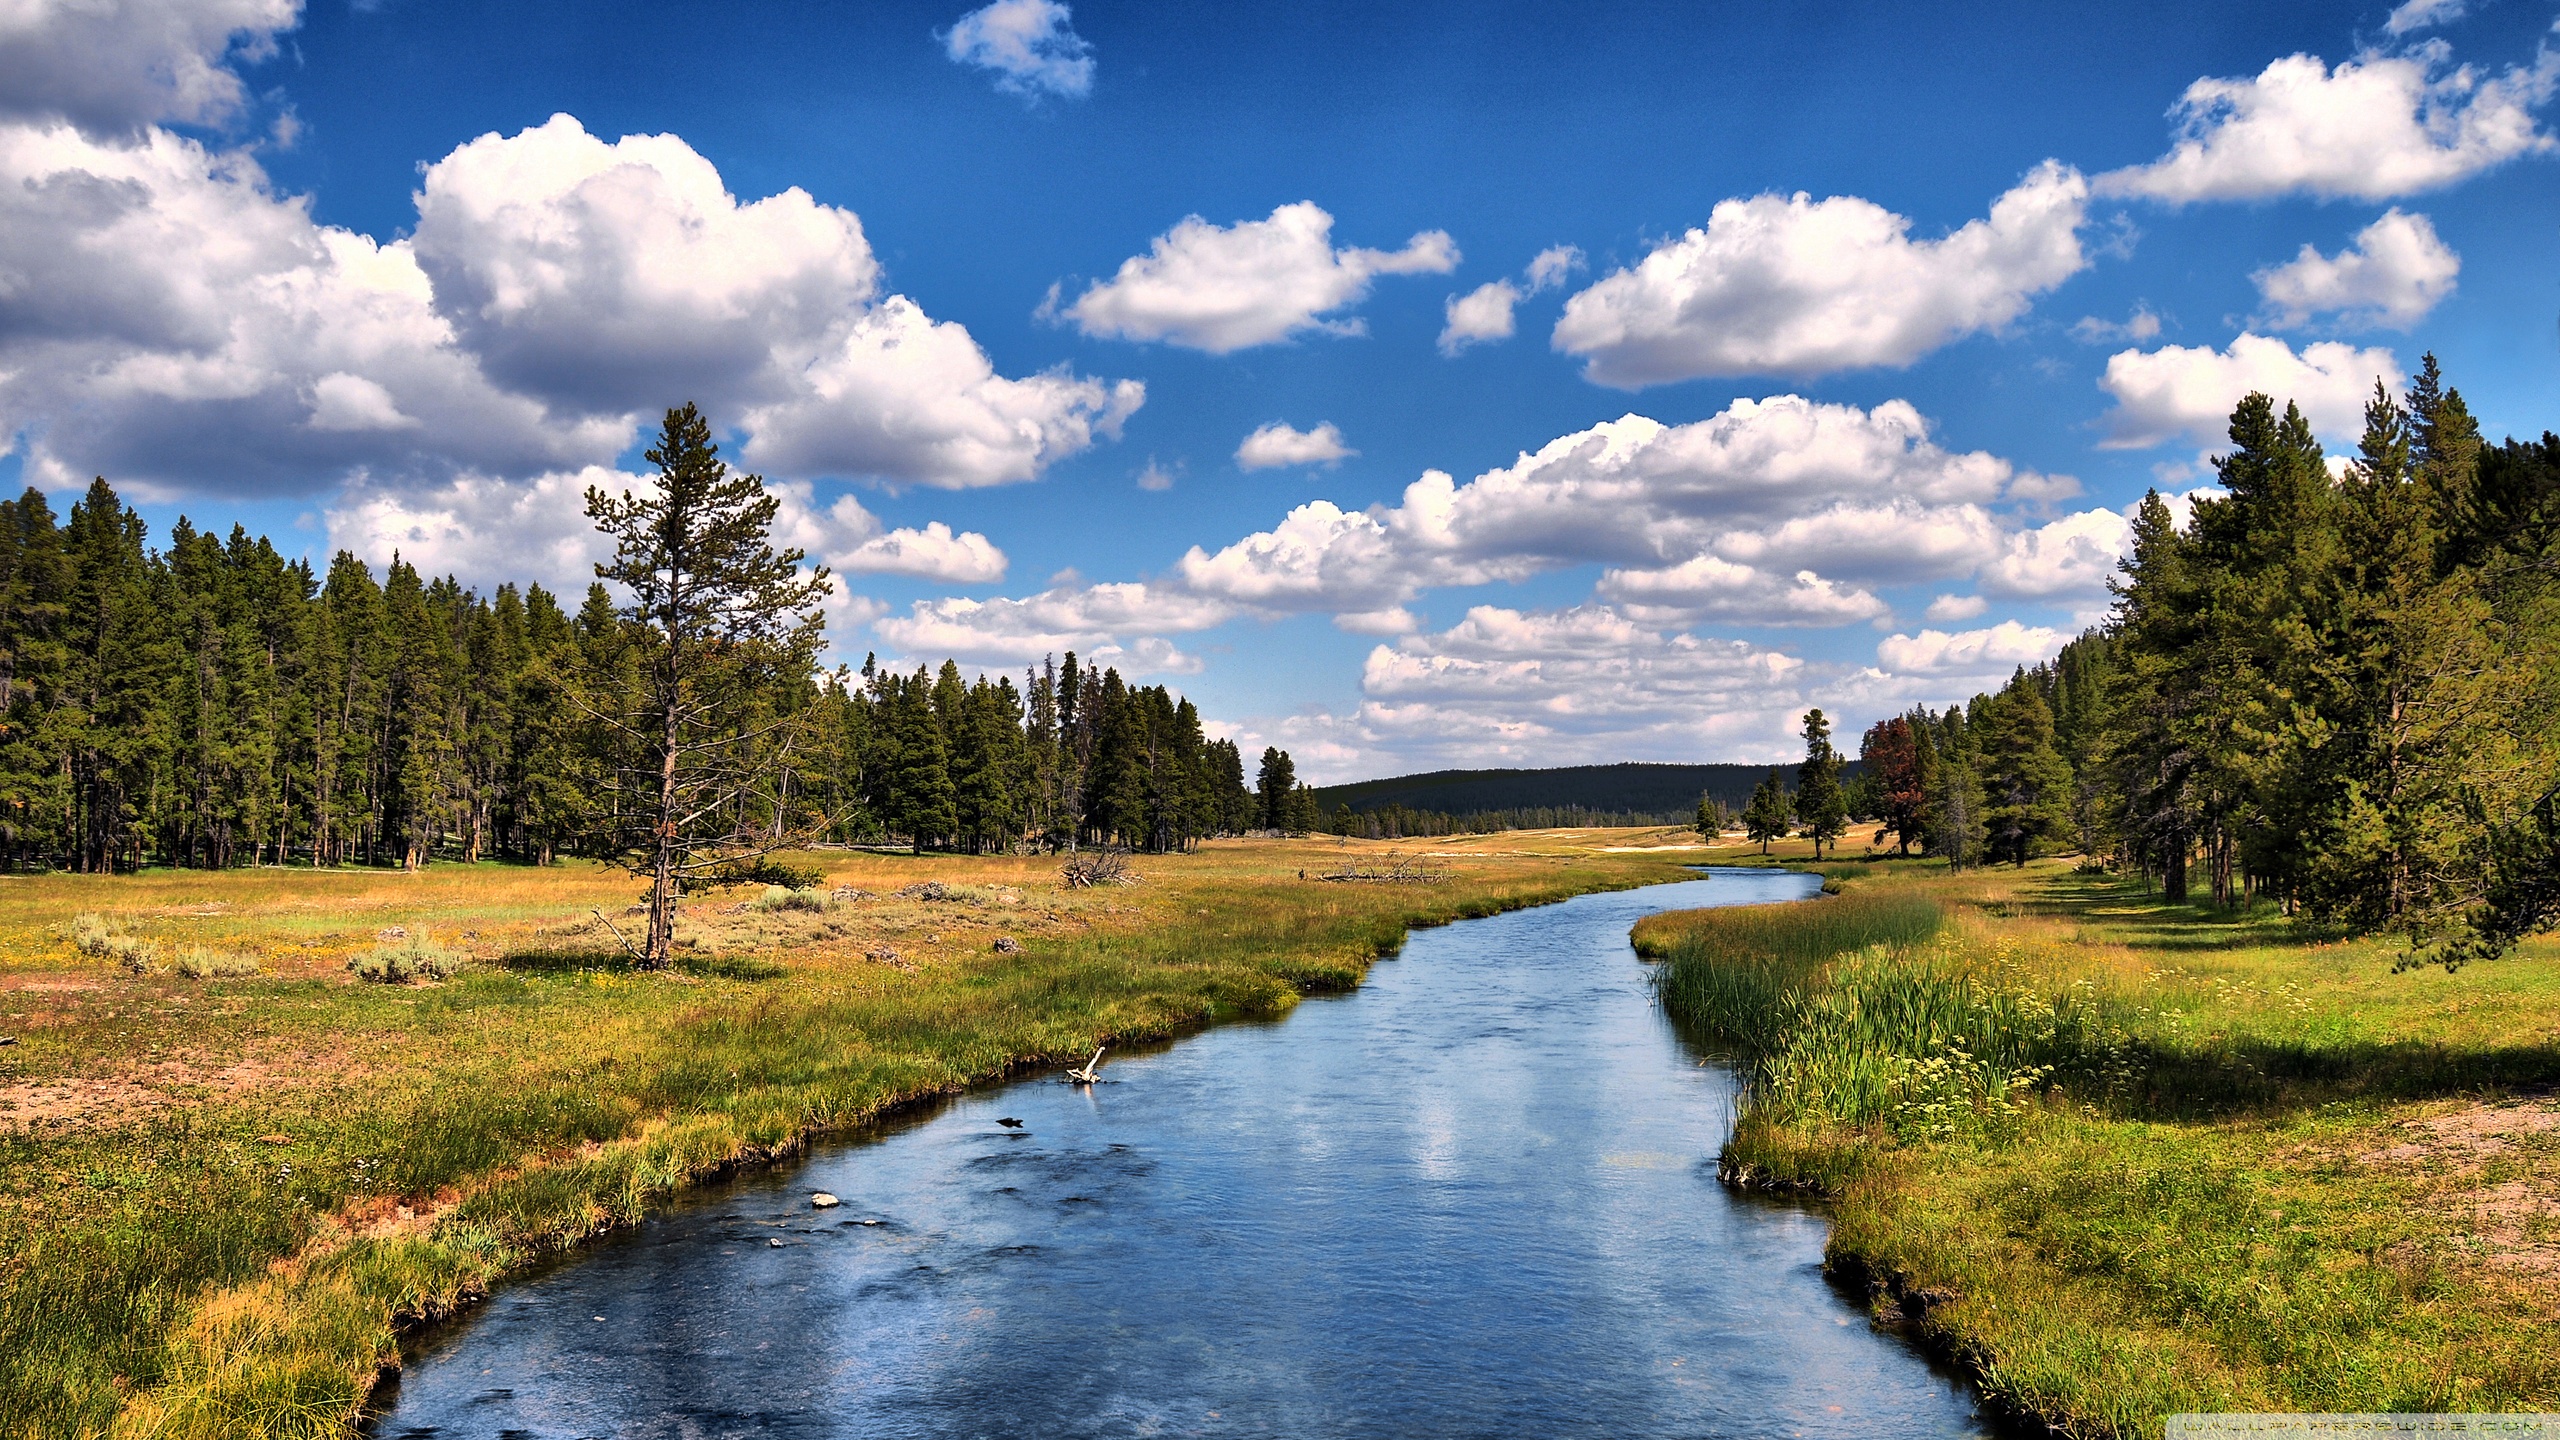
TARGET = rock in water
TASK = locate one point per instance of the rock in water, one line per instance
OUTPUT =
(823, 1201)
(775, 1242)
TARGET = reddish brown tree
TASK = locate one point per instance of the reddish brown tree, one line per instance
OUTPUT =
(1890, 758)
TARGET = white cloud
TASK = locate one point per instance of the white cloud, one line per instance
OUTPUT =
(933, 553)
(484, 530)
(2073, 557)
(904, 397)
(619, 278)
(1226, 288)
(2415, 15)
(1947, 609)
(1483, 315)
(1029, 44)
(488, 530)
(2375, 128)
(1794, 286)
(1101, 621)
(1277, 444)
(2187, 391)
(171, 321)
(168, 307)
(1777, 487)
(1989, 653)
(1479, 317)
(2395, 272)
(2141, 327)
(1553, 266)
(1704, 587)
(112, 66)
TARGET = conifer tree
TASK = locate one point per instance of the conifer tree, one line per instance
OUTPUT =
(1821, 809)
(715, 613)
(1770, 812)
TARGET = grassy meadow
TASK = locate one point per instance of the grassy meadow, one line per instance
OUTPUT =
(2123, 1160)
(222, 1193)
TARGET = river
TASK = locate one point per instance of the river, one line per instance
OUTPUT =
(1475, 1197)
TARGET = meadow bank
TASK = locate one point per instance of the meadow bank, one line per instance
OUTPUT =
(223, 1196)
(2123, 1159)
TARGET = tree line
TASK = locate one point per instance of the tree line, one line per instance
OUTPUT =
(2335, 689)
(215, 704)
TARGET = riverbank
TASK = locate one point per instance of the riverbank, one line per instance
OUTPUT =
(223, 1196)
(2122, 1159)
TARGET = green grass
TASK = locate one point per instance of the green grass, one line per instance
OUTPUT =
(2126, 1159)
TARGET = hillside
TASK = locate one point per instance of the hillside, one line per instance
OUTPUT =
(1669, 792)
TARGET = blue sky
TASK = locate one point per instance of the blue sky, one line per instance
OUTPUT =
(1909, 307)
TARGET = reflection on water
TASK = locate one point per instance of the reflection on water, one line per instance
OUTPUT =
(1475, 1197)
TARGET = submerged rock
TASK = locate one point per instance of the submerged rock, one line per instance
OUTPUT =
(823, 1201)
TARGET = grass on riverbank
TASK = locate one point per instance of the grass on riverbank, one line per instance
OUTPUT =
(2126, 1159)
(217, 1197)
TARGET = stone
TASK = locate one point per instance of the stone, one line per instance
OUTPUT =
(775, 1242)
(394, 932)
(823, 1201)
(1007, 945)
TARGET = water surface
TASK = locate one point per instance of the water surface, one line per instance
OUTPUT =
(1476, 1197)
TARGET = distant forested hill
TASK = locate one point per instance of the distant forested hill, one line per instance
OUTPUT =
(1668, 792)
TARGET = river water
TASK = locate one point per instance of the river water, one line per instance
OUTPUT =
(1475, 1197)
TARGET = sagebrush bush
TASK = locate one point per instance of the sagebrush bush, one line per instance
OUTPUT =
(200, 962)
(94, 937)
(409, 961)
(780, 897)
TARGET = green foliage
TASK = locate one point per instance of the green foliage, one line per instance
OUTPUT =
(1770, 812)
(1822, 807)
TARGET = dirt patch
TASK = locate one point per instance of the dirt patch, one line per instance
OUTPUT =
(2501, 1164)
(142, 1090)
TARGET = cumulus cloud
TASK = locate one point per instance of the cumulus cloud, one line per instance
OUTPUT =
(488, 529)
(2072, 558)
(116, 67)
(1129, 619)
(1989, 653)
(600, 275)
(2189, 391)
(933, 553)
(1777, 487)
(1707, 587)
(1949, 609)
(1479, 317)
(171, 307)
(2375, 128)
(1030, 46)
(172, 321)
(1483, 315)
(1796, 286)
(1227, 288)
(483, 529)
(2395, 272)
(1277, 444)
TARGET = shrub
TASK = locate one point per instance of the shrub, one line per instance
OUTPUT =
(199, 962)
(778, 897)
(94, 937)
(409, 961)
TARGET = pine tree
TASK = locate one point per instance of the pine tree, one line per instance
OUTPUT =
(1770, 812)
(716, 614)
(1277, 779)
(1821, 809)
